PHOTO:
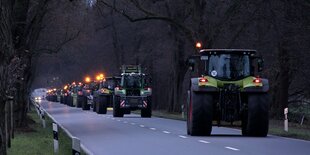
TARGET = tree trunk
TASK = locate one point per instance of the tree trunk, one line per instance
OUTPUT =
(281, 100)
(2, 128)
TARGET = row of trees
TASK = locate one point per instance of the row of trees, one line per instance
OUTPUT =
(159, 34)
(278, 29)
(21, 26)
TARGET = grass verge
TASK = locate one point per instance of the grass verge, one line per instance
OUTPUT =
(275, 126)
(36, 140)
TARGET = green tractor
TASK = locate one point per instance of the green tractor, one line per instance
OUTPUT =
(226, 90)
(103, 97)
(133, 93)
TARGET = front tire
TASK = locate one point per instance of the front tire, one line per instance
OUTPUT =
(200, 113)
(256, 119)
(85, 105)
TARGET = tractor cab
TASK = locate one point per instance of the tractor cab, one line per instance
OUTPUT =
(226, 64)
(224, 89)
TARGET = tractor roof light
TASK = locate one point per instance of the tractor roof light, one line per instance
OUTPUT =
(87, 79)
(198, 45)
(98, 78)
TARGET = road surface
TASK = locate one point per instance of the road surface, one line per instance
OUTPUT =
(132, 135)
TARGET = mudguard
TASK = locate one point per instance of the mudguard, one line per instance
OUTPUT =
(261, 89)
(196, 88)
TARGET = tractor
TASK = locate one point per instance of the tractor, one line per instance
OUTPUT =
(225, 90)
(133, 93)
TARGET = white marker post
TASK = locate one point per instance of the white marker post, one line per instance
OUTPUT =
(43, 119)
(55, 135)
(285, 120)
(76, 146)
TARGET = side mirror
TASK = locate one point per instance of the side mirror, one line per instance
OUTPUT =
(191, 64)
(260, 64)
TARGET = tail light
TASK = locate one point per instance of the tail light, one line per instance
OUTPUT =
(102, 90)
(257, 80)
(203, 80)
(118, 88)
(147, 88)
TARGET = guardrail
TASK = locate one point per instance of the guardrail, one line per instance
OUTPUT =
(76, 144)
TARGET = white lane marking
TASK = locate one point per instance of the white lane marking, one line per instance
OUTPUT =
(113, 118)
(231, 148)
(133, 123)
(125, 122)
(118, 120)
(181, 136)
(142, 126)
(203, 141)
(153, 128)
(167, 132)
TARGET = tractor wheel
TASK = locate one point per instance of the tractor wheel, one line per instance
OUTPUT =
(70, 101)
(94, 104)
(85, 105)
(147, 112)
(79, 101)
(117, 111)
(65, 100)
(256, 119)
(101, 104)
(200, 112)
(61, 99)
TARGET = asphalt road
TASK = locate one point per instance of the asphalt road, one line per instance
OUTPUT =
(132, 135)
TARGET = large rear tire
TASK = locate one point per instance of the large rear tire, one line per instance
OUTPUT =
(256, 119)
(79, 101)
(94, 103)
(200, 113)
(147, 112)
(117, 111)
(101, 104)
(70, 101)
(85, 105)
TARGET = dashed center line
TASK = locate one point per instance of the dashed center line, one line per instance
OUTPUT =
(231, 148)
(133, 123)
(113, 118)
(203, 141)
(118, 120)
(153, 128)
(142, 126)
(181, 136)
(167, 132)
(125, 122)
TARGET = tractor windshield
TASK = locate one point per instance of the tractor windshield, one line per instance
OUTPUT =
(110, 83)
(132, 81)
(229, 66)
